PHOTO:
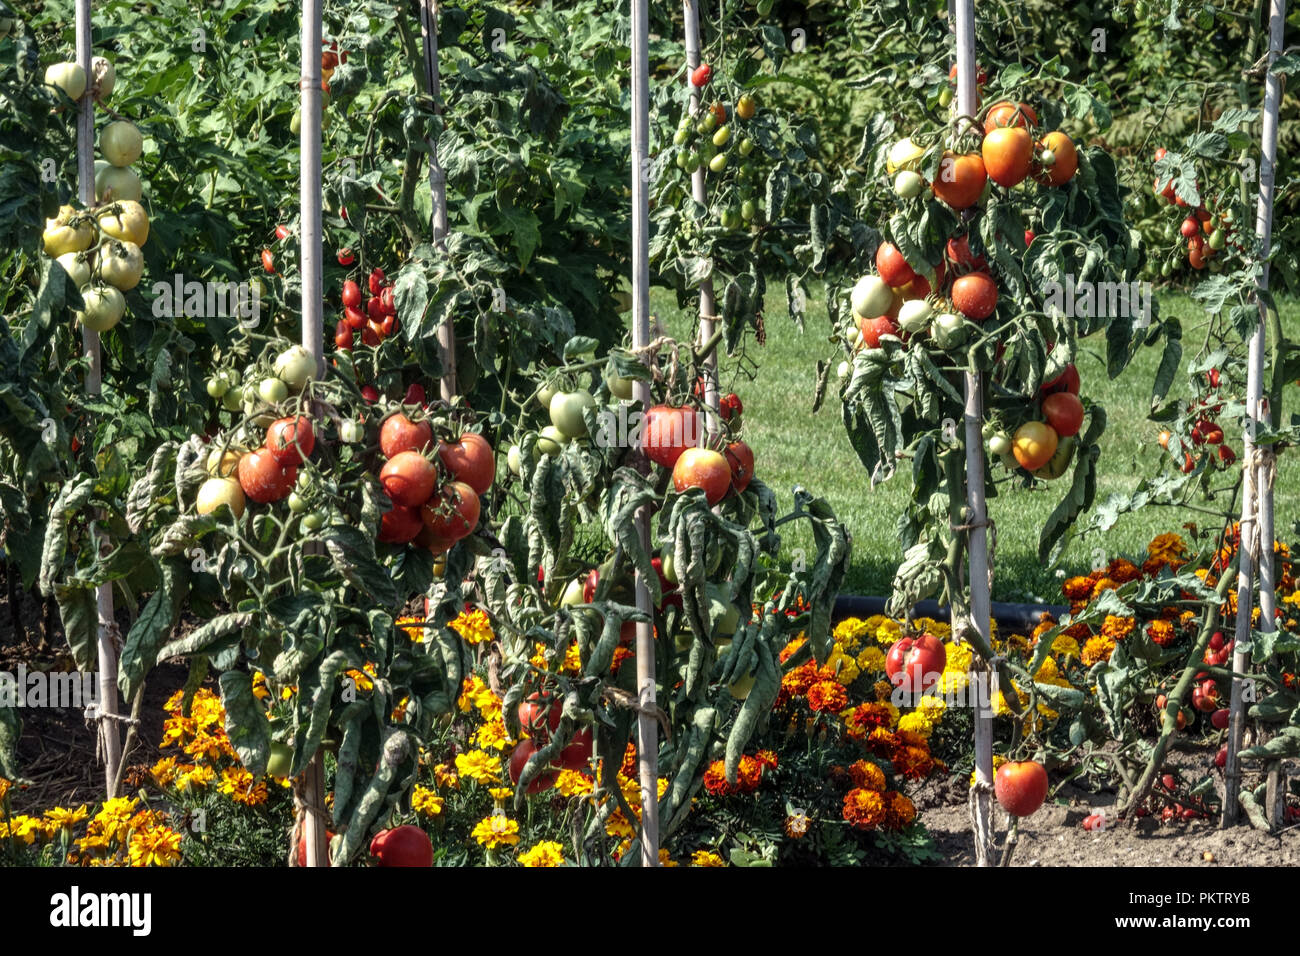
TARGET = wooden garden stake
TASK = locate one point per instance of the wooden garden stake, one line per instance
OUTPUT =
(977, 512)
(312, 783)
(107, 710)
(1256, 538)
(708, 304)
(438, 188)
(647, 725)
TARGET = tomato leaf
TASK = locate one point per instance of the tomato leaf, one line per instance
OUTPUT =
(353, 554)
(246, 723)
(150, 630)
(1170, 361)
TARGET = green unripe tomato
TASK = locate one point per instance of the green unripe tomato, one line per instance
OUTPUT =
(233, 400)
(680, 137)
(721, 136)
(313, 521)
(217, 386)
(272, 391)
(746, 146)
(718, 163)
(297, 504)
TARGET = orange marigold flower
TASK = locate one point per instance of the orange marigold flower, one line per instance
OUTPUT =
(914, 763)
(1079, 632)
(715, 779)
(867, 775)
(788, 651)
(1123, 571)
(1078, 588)
(899, 810)
(1162, 632)
(883, 690)
(1104, 583)
(767, 758)
(1097, 649)
(881, 743)
(865, 809)
(828, 695)
(749, 774)
(1117, 628)
(798, 681)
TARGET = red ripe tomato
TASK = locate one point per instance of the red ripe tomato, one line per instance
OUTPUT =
(371, 394)
(1067, 381)
(353, 317)
(398, 433)
(916, 664)
(346, 257)
(1166, 191)
(577, 754)
(918, 288)
(372, 335)
(703, 468)
(959, 254)
(1065, 156)
(1221, 758)
(351, 294)
(268, 261)
(291, 440)
(454, 514)
(589, 585)
(1020, 786)
(519, 759)
(975, 295)
(701, 75)
(470, 460)
(388, 326)
(374, 309)
(539, 715)
(263, 478)
(961, 179)
(891, 265)
(740, 459)
(667, 432)
(1064, 412)
(329, 60)
(408, 479)
(343, 337)
(281, 232)
(872, 329)
(402, 846)
(1007, 153)
(400, 525)
(387, 304)
(1029, 237)
(627, 634)
(1190, 227)
(1007, 113)
(414, 394)
(376, 280)
(1205, 697)
(731, 408)
(1160, 153)
(981, 75)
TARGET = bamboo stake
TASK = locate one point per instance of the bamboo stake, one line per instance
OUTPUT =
(107, 708)
(1256, 541)
(963, 12)
(438, 188)
(708, 303)
(647, 725)
(313, 335)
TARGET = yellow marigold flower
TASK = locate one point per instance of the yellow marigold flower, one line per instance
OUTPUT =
(888, 632)
(852, 631)
(933, 706)
(572, 660)
(1097, 649)
(844, 667)
(706, 858)
(95, 843)
(496, 830)
(444, 775)
(4, 788)
(916, 722)
(23, 828)
(1292, 598)
(414, 627)
(164, 771)
(958, 659)
(1117, 628)
(259, 686)
(361, 679)
(1104, 584)
(789, 650)
(242, 787)
(61, 818)
(474, 627)
(998, 761)
(541, 658)
(617, 825)
(1065, 646)
(871, 660)
(469, 691)
(426, 803)
(952, 682)
(479, 766)
(570, 783)
(492, 735)
(160, 846)
(546, 853)
(939, 629)
(665, 859)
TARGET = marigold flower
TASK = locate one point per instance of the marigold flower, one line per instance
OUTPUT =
(797, 681)
(1078, 588)
(621, 656)
(242, 787)
(496, 830)
(1065, 646)
(426, 803)
(828, 696)
(865, 809)
(444, 775)
(899, 810)
(157, 846)
(1123, 570)
(1117, 628)
(1097, 649)
(570, 783)
(1162, 632)
(871, 660)
(546, 853)
(474, 627)
(414, 628)
(706, 858)
(22, 828)
(1104, 583)
(665, 860)
(867, 775)
(480, 766)
(789, 650)
(767, 758)
(61, 818)
(918, 722)
(492, 735)
(913, 762)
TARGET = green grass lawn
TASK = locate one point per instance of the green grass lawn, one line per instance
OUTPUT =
(792, 445)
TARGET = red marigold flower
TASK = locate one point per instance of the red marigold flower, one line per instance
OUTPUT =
(899, 810)
(828, 695)
(749, 774)
(767, 758)
(865, 809)
(881, 743)
(1162, 632)
(867, 775)
(715, 779)
(914, 763)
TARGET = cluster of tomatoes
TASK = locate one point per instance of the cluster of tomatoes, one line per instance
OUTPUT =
(99, 248)
(399, 846)
(702, 140)
(1043, 446)
(1206, 234)
(539, 717)
(432, 510)
(669, 438)
(373, 318)
(330, 59)
(1206, 433)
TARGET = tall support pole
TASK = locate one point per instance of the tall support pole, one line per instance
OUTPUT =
(311, 787)
(438, 187)
(708, 303)
(107, 709)
(1257, 530)
(977, 511)
(647, 725)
